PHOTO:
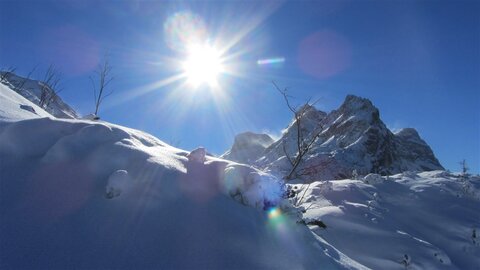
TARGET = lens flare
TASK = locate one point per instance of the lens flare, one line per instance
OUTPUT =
(274, 213)
(184, 28)
(271, 61)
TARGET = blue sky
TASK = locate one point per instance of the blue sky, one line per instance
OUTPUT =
(418, 61)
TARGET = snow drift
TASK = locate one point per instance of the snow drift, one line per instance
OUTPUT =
(93, 195)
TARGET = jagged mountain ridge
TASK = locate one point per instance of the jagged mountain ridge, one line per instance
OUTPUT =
(351, 137)
(32, 90)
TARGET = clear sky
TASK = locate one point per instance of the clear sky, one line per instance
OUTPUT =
(418, 61)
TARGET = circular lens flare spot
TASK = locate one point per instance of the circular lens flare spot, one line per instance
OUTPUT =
(183, 28)
(203, 65)
(274, 213)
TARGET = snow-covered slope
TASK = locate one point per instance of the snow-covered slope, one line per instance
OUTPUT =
(80, 194)
(352, 137)
(14, 107)
(92, 195)
(248, 147)
(429, 220)
(32, 90)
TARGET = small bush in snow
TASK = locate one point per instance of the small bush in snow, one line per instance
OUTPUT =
(406, 261)
(290, 192)
(354, 174)
(474, 236)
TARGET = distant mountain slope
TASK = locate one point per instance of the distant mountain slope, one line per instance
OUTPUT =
(351, 137)
(248, 147)
(32, 90)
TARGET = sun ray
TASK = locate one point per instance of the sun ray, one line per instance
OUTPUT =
(140, 91)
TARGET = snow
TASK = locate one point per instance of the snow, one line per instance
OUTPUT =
(83, 194)
(257, 189)
(373, 178)
(118, 183)
(352, 137)
(15, 107)
(92, 195)
(429, 219)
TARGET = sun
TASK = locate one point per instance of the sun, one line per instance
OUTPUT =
(203, 65)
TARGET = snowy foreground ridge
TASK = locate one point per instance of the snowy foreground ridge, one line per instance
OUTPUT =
(92, 195)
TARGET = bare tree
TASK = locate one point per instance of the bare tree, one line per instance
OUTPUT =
(103, 77)
(50, 86)
(465, 168)
(21, 85)
(304, 140)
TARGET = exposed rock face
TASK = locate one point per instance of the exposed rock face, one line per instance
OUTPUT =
(248, 147)
(351, 137)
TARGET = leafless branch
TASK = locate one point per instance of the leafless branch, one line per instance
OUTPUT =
(50, 86)
(304, 142)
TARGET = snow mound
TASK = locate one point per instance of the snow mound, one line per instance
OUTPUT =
(252, 187)
(118, 182)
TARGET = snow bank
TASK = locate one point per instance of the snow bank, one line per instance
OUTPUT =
(92, 195)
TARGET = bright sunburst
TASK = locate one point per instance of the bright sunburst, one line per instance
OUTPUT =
(203, 65)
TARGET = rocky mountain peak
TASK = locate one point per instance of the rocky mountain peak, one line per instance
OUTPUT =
(351, 137)
(407, 133)
(356, 103)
